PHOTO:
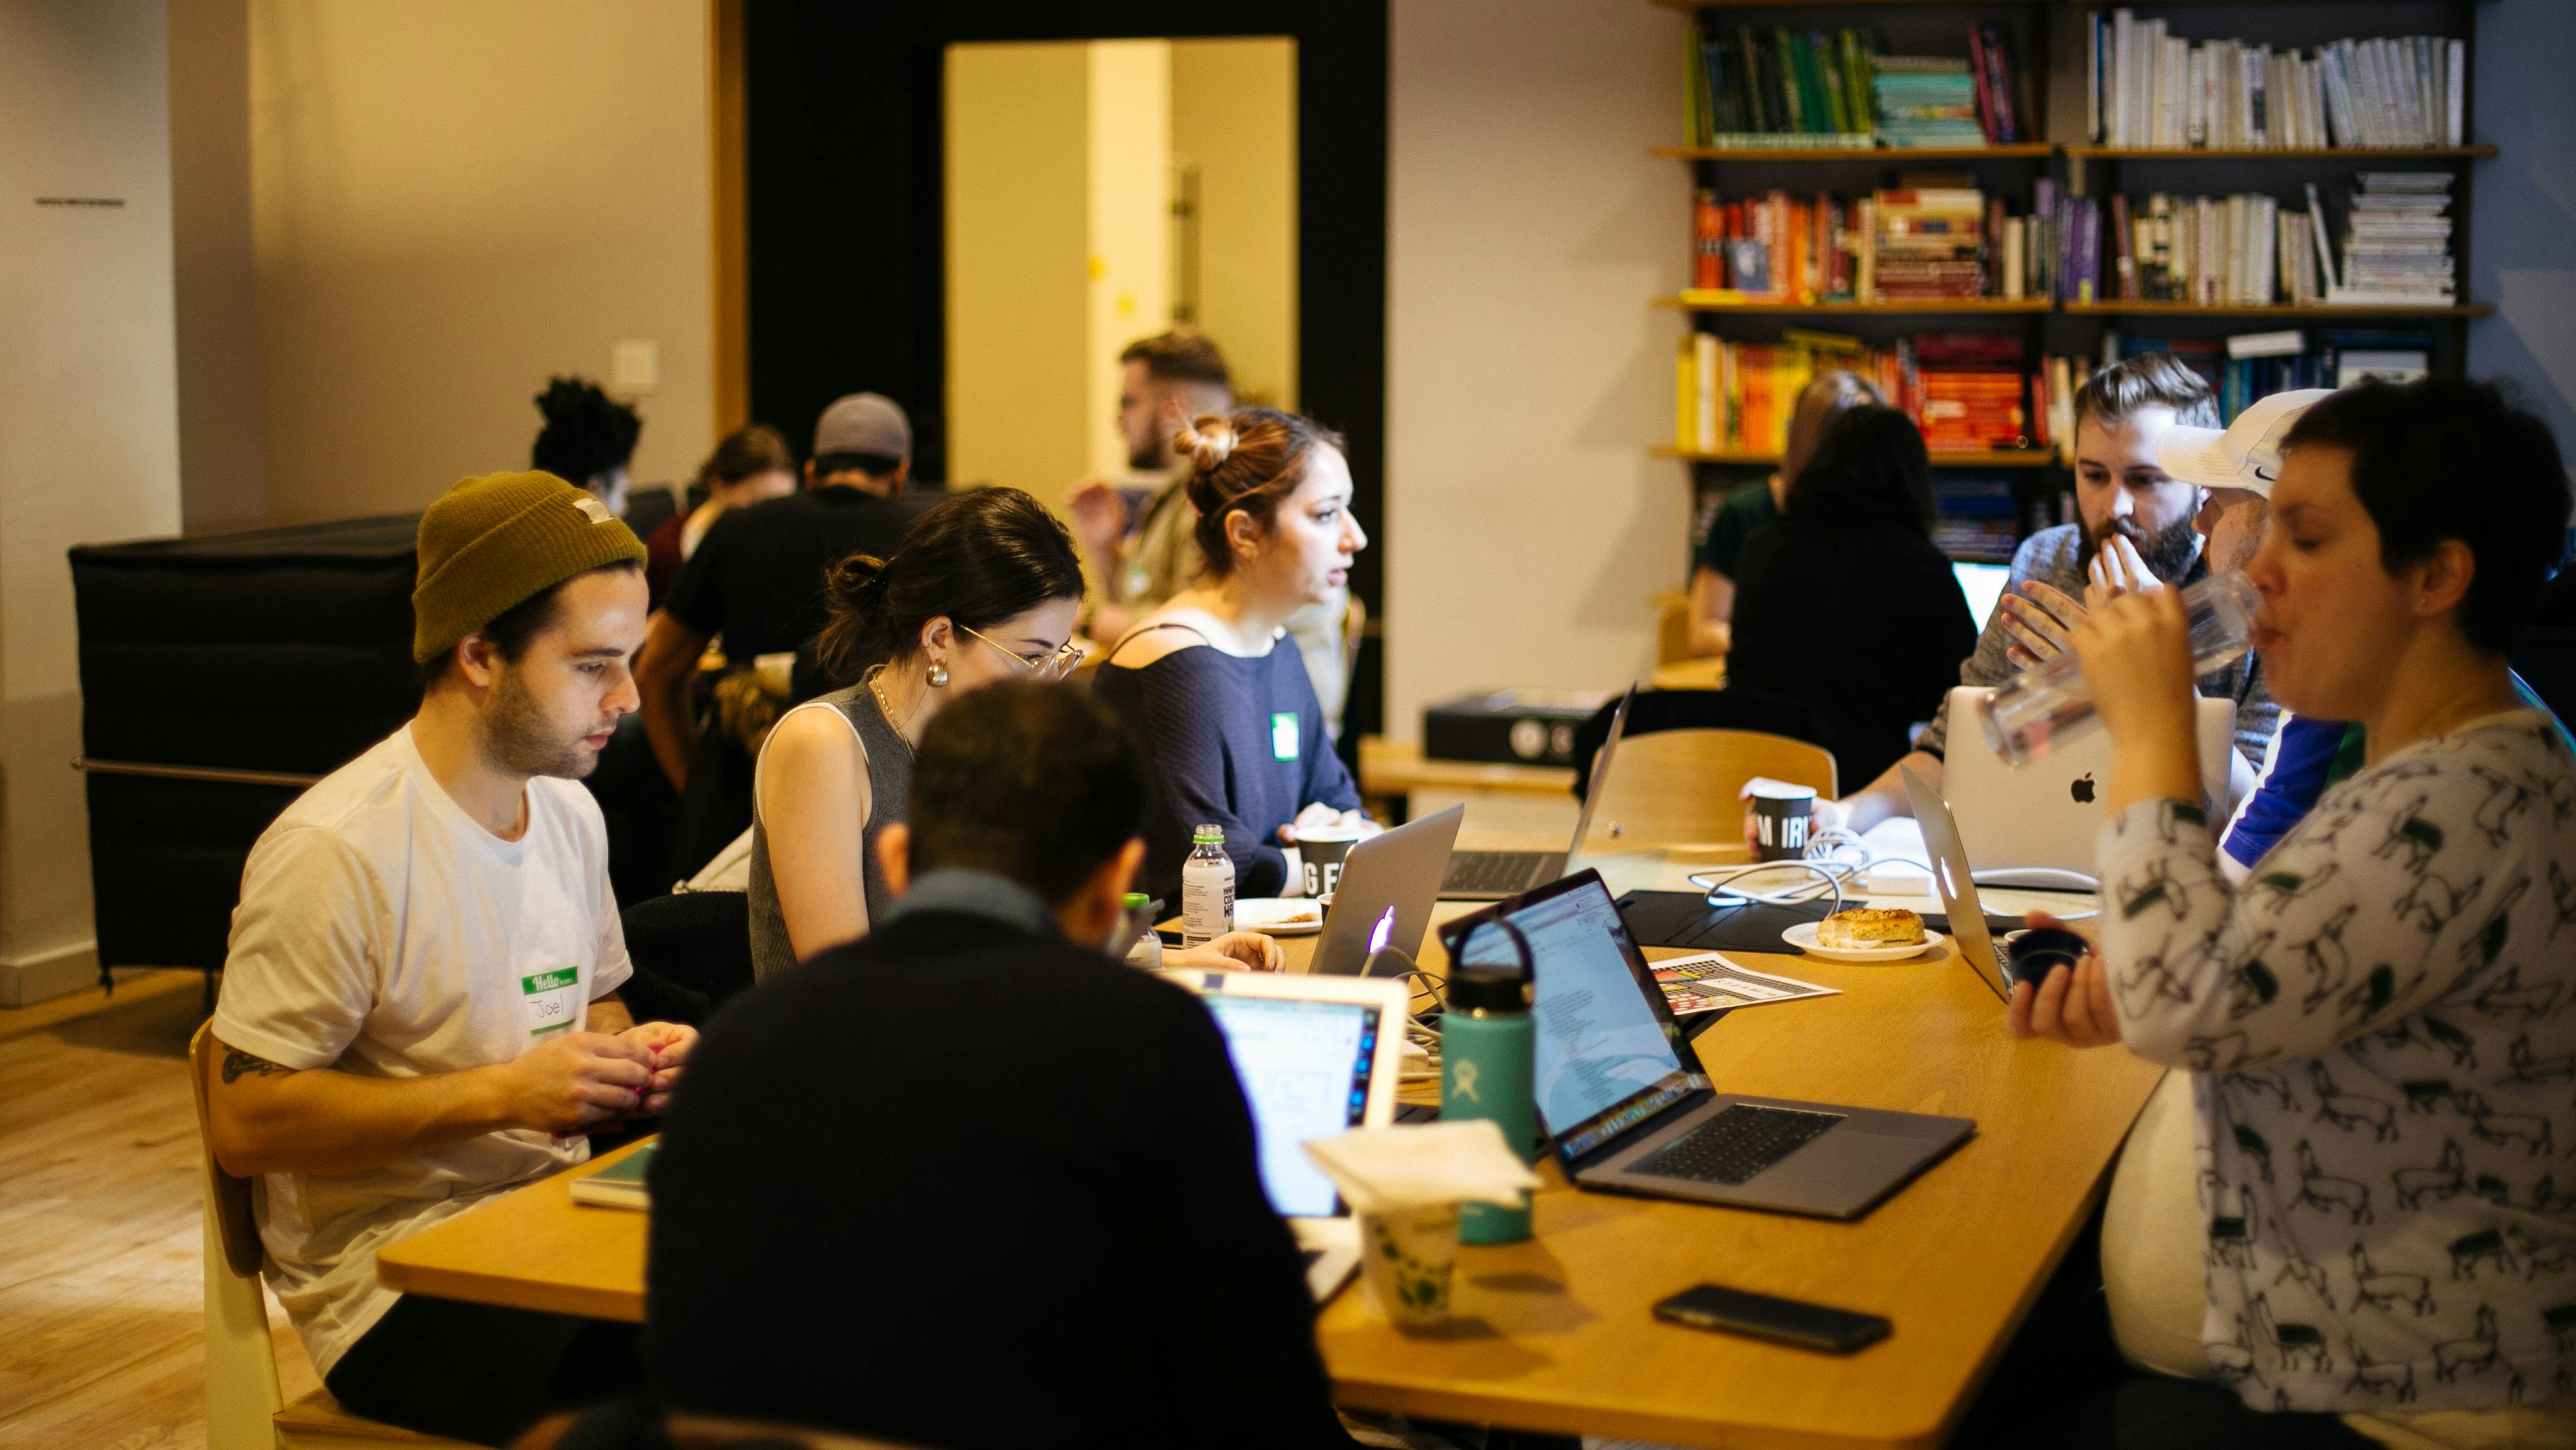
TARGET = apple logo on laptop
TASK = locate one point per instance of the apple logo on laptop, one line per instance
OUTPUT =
(2082, 789)
(1378, 934)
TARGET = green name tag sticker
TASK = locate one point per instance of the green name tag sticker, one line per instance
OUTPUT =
(551, 1000)
(1283, 735)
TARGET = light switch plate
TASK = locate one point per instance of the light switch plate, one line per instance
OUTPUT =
(635, 366)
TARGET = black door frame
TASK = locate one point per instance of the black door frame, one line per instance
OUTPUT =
(845, 255)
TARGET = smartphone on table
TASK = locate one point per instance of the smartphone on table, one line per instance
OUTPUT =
(1783, 1321)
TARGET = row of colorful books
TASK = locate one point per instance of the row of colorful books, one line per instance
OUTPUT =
(1769, 87)
(1965, 391)
(1904, 244)
(2147, 87)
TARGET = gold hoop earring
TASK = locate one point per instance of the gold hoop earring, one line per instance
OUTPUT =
(938, 675)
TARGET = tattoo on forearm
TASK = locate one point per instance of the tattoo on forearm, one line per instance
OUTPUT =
(237, 1062)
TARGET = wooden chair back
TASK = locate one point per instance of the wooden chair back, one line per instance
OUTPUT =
(227, 1197)
(1678, 787)
(1672, 627)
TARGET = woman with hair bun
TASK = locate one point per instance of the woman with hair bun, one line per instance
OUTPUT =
(984, 589)
(1232, 731)
(588, 440)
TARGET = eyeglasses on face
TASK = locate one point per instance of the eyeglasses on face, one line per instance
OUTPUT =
(1053, 667)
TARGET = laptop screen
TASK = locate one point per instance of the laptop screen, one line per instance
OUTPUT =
(1305, 1067)
(1602, 1059)
(1984, 586)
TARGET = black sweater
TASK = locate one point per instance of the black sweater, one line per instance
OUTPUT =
(1860, 618)
(960, 1185)
(1205, 721)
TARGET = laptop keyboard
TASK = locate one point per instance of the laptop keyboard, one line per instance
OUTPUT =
(1510, 872)
(1735, 1145)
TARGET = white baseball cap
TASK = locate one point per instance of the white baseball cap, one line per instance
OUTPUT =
(2245, 454)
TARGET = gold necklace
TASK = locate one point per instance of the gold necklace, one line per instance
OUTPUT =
(885, 707)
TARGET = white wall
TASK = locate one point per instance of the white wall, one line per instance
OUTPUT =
(88, 419)
(1526, 375)
(453, 199)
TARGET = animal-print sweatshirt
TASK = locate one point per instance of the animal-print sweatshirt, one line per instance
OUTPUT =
(2381, 1024)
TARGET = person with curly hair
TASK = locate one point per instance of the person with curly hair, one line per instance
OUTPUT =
(588, 439)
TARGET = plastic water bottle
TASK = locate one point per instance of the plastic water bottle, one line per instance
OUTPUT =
(1486, 1044)
(1147, 950)
(2047, 705)
(1207, 888)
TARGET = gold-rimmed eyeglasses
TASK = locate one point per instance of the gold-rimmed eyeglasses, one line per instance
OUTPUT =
(1054, 667)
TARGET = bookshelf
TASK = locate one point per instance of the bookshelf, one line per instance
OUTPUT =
(2047, 42)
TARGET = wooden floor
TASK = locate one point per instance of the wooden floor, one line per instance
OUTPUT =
(102, 1298)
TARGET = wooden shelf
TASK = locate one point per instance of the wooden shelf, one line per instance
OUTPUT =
(2033, 151)
(1977, 305)
(2277, 153)
(2268, 309)
(1980, 458)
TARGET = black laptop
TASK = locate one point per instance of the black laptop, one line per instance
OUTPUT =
(1621, 1094)
(1494, 875)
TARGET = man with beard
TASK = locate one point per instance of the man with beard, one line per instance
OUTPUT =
(1164, 382)
(419, 999)
(2134, 521)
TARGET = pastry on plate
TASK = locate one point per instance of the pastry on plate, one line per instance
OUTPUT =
(1863, 928)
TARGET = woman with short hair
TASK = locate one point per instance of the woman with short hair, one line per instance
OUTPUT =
(2381, 1022)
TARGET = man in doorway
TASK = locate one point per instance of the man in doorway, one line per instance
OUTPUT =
(1139, 559)
(756, 580)
(420, 998)
(2134, 522)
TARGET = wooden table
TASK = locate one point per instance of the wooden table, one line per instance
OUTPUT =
(1556, 1333)
(1392, 770)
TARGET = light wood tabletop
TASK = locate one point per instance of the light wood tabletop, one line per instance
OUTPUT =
(1557, 1334)
(1398, 767)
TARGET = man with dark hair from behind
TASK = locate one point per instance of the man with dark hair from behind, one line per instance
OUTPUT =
(756, 580)
(1042, 1219)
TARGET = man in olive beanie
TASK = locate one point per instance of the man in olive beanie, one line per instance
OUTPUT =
(419, 1001)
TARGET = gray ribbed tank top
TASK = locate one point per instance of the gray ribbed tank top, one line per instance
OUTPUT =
(890, 796)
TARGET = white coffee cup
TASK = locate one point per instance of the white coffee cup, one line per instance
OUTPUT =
(1408, 1258)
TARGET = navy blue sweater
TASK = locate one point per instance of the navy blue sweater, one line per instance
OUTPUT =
(1205, 720)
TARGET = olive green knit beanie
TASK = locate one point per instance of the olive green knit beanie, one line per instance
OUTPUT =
(496, 541)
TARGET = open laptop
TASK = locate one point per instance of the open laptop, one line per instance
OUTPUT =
(1317, 1056)
(1957, 884)
(1385, 893)
(1623, 1099)
(2042, 817)
(1493, 875)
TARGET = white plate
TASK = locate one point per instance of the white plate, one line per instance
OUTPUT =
(1278, 915)
(1803, 937)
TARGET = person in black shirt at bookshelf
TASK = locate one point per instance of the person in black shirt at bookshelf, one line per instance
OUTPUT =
(1745, 510)
(970, 1182)
(756, 580)
(1845, 602)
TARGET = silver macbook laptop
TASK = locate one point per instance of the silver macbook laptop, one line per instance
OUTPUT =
(1623, 1099)
(1316, 1056)
(1384, 896)
(1493, 875)
(2044, 816)
(1957, 884)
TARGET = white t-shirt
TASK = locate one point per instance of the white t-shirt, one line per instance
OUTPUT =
(384, 932)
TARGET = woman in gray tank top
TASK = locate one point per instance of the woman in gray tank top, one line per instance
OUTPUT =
(985, 588)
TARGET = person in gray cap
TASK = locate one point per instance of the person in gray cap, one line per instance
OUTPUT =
(756, 581)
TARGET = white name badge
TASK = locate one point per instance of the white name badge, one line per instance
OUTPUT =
(1283, 735)
(552, 1000)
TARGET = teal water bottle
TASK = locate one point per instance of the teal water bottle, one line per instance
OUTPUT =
(1485, 1054)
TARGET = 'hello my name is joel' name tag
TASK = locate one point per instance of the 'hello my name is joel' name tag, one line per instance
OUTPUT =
(1283, 735)
(550, 1000)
